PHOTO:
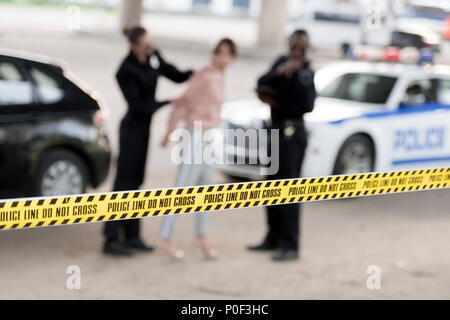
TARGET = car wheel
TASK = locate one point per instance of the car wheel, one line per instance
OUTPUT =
(356, 155)
(235, 178)
(60, 172)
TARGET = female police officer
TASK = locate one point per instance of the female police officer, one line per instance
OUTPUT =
(137, 77)
(289, 89)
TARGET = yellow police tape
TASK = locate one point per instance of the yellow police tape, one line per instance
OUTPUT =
(51, 211)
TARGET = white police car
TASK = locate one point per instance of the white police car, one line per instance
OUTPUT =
(368, 116)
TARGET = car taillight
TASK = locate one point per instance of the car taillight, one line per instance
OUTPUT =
(98, 118)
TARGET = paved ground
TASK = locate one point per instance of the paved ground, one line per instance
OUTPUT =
(405, 235)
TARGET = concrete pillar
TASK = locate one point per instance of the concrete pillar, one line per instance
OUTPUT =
(271, 23)
(130, 12)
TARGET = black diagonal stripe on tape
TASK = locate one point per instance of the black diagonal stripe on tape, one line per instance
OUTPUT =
(168, 192)
(90, 198)
(136, 194)
(89, 219)
(14, 204)
(100, 218)
(77, 220)
(102, 198)
(65, 221)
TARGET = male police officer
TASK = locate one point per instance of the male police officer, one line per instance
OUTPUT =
(288, 88)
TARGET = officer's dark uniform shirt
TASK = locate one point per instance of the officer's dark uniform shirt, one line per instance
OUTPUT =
(138, 84)
(295, 93)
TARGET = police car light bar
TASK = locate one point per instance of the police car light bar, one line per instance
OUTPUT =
(391, 54)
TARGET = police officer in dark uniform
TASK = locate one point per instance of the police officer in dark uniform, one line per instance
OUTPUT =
(137, 77)
(288, 88)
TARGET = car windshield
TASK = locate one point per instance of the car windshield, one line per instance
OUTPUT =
(361, 87)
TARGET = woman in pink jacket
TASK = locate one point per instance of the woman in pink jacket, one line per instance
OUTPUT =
(200, 104)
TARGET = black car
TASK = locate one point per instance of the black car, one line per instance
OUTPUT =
(51, 136)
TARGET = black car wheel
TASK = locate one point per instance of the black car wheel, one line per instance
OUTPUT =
(357, 155)
(60, 172)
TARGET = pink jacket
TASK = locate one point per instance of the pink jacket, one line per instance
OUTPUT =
(201, 101)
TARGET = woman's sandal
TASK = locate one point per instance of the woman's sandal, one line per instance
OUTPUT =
(171, 249)
(208, 252)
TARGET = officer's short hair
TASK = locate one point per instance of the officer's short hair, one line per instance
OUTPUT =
(299, 32)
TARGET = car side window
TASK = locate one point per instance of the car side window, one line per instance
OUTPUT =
(443, 94)
(48, 85)
(14, 89)
(360, 87)
(419, 92)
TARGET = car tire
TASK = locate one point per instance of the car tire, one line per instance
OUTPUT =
(357, 155)
(60, 172)
(232, 178)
